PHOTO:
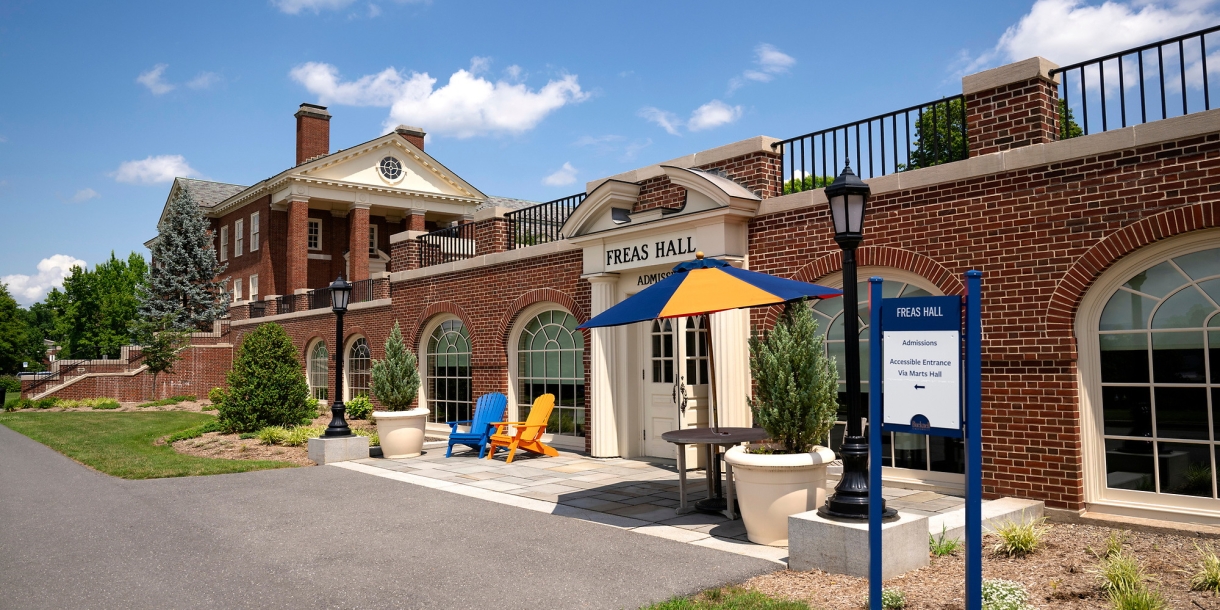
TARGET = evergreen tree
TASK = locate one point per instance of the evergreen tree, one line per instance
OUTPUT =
(396, 378)
(162, 346)
(182, 284)
(266, 385)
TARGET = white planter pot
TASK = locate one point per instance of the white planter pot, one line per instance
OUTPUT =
(401, 432)
(772, 487)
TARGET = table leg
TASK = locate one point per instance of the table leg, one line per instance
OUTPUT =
(730, 491)
(682, 507)
(709, 470)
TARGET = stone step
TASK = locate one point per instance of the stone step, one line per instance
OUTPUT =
(995, 513)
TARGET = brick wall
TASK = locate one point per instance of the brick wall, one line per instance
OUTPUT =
(1012, 116)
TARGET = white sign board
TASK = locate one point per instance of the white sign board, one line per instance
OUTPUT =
(922, 378)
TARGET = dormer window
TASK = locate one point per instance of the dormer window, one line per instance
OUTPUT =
(391, 168)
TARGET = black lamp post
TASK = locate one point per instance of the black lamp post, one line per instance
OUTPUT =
(848, 196)
(340, 292)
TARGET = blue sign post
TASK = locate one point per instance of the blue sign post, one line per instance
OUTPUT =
(918, 353)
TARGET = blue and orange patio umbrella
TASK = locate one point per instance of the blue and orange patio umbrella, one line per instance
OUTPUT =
(702, 287)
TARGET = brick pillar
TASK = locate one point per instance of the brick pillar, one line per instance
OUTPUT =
(298, 244)
(358, 243)
(404, 251)
(1011, 106)
(415, 221)
(490, 235)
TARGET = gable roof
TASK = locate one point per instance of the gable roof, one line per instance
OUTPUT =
(207, 193)
(505, 202)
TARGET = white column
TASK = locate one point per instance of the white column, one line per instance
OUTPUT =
(604, 423)
(730, 333)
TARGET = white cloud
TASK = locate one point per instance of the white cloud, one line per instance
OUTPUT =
(153, 170)
(713, 114)
(152, 80)
(597, 140)
(633, 149)
(83, 195)
(296, 7)
(667, 120)
(1068, 31)
(468, 105)
(771, 62)
(204, 80)
(28, 289)
(563, 176)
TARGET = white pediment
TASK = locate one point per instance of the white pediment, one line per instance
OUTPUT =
(418, 172)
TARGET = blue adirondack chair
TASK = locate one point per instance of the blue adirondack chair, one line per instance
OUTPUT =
(489, 408)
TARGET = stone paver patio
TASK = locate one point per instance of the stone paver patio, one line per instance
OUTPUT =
(639, 494)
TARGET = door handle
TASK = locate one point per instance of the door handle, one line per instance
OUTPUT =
(679, 393)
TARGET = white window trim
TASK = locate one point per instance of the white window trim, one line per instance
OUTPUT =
(254, 287)
(514, 340)
(254, 232)
(309, 223)
(239, 236)
(421, 363)
(1097, 496)
(237, 290)
(372, 240)
(224, 243)
(347, 347)
(309, 368)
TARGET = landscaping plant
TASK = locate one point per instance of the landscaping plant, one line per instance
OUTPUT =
(1142, 599)
(1020, 538)
(359, 407)
(941, 547)
(1120, 574)
(165, 402)
(162, 346)
(182, 287)
(1207, 571)
(266, 387)
(891, 599)
(396, 377)
(1004, 595)
(796, 384)
(1114, 545)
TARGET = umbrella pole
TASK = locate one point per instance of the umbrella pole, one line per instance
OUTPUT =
(711, 367)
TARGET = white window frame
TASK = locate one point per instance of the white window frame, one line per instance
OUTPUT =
(348, 369)
(254, 287)
(372, 240)
(239, 236)
(310, 224)
(237, 290)
(522, 319)
(224, 243)
(421, 359)
(254, 232)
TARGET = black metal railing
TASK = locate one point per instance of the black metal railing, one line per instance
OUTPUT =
(920, 136)
(318, 298)
(362, 291)
(258, 309)
(1146, 89)
(542, 223)
(447, 245)
(285, 304)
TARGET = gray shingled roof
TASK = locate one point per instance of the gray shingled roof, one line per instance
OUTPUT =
(505, 202)
(207, 194)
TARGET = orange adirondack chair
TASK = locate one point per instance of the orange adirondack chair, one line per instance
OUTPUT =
(528, 434)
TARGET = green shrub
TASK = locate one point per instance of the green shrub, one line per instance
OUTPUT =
(1020, 538)
(374, 440)
(272, 435)
(266, 386)
(396, 378)
(9, 383)
(89, 403)
(1120, 574)
(196, 432)
(1207, 571)
(104, 404)
(1113, 546)
(941, 547)
(300, 435)
(46, 403)
(796, 384)
(165, 402)
(316, 405)
(1004, 595)
(359, 407)
(216, 396)
(1141, 599)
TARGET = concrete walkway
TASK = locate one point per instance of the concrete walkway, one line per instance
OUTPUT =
(311, 538)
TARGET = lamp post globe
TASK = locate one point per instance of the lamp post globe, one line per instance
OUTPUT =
(848, 196)
(340, 294)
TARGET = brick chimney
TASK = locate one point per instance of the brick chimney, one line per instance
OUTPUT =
(313, 132)
(414, 135)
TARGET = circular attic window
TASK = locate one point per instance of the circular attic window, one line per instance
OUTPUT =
(391, 168)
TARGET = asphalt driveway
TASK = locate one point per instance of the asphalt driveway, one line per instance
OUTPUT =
(310, 538)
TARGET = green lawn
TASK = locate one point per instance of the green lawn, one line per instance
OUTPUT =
(121, 444)
(728, 598)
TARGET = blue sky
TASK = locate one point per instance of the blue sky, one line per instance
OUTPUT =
(105, 102)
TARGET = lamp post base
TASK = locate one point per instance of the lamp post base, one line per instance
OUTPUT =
(850, 500)
(338, 425)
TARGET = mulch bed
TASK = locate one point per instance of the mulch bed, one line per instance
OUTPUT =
(233, 447)
(1058, 575)
(127, 407)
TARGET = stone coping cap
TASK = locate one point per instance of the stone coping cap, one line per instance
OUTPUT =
(1021, 71)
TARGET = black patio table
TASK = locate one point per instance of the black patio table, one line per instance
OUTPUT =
(713, 439)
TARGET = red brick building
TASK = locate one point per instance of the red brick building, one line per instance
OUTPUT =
(1100, 254)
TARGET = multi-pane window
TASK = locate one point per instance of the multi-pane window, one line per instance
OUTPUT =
(447, 362)
(372, 240)
(254, 287)
(239, 236)
(314, 234)
(550, 360)
(237, 289)
(319, 362)
(696, 351)
(254, 232)
(359, 364)
(1159, 338)
(662, 354)
(901, 450)
(224, 243)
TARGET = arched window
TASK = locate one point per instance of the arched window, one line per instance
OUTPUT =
(448, 368)
(1159, 358)
(900, 450)
(319, 364)
(359, 361)
(550, 360)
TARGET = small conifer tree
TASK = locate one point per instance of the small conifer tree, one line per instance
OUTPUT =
(396, 378)
(162, 346)
(796, 383)
(267, 384)
(182, 280)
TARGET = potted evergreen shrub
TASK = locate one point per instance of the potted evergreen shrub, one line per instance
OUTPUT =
(395, 384)
(795, 401)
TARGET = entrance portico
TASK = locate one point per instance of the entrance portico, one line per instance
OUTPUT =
(649, 378)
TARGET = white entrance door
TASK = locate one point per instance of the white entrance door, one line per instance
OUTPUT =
(675, 380)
